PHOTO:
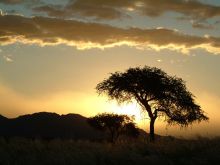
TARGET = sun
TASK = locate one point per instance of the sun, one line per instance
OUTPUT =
(130, 109)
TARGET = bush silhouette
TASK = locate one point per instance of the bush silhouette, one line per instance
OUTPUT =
(114, 124)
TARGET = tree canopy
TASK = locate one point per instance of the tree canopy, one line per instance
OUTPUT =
(160, 94)
(114, 124)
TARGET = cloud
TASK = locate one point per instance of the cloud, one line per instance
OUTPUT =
(109, 9)
(1, 12)
(202, 25)
(95, 8)
(50, 31)
(84, 10)
(192, 8)
(8, 59)
(52, 10)
(12, 1)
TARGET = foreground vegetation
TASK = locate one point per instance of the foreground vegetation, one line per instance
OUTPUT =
(167, 151)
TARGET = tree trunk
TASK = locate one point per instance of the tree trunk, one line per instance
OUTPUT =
(152, 137)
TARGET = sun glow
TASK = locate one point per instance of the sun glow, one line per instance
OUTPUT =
(130, 109)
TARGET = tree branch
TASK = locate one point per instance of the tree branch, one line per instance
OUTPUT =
(153, 98)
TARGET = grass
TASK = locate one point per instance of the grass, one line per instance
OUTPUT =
(20, 151)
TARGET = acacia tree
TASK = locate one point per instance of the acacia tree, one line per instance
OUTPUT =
(159, 94)
(114, 124)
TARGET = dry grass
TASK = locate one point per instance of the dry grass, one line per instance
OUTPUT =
(20, 151)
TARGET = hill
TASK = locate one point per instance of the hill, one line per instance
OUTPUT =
(48, 125)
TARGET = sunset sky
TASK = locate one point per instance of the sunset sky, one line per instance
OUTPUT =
(53, 53)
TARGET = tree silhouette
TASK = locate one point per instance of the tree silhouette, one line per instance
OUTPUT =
(156, 92)
(114, 124)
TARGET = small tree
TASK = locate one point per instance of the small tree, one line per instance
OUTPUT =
(114, 125)
(156, 92)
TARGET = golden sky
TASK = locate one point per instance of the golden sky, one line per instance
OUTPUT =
(54, 53)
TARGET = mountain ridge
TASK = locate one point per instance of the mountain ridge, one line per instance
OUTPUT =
(48, 125)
